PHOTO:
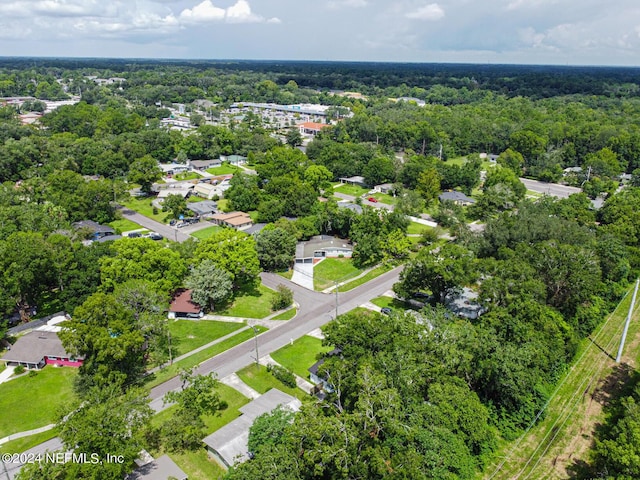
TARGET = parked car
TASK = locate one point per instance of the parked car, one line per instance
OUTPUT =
(373, 199)
(134, 235)
(155, 236)
(386, 311)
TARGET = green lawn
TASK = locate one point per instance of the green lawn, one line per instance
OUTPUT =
(206, 232)
(384, 198)
(195, 199)
(224, 169)
(286, 315)
(172, 370)
(187, 176)
(187, 335)
(352, 190)
(32, 402)
(416, 228)
(288, 274)
(25, 443)
(333, 269)
(257, 377)
(254, 302)
(223, 205)
(198, 466)
(143, 206)
(389, 302)
(124, 225)
(301, 355)
(376, 272)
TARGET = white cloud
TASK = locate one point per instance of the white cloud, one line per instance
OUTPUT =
(433, 11)
(241, 13)
(202, 13)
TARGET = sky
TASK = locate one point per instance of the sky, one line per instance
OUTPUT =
(558, 32)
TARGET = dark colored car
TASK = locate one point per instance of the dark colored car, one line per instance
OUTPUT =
(385, 311)
(155, 236)
(134, 235)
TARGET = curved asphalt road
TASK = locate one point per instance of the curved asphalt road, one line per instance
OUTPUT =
(316, 309)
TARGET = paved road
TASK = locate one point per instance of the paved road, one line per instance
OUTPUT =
(553, 189)
(316, 309)
(165, 230)
(8, 471)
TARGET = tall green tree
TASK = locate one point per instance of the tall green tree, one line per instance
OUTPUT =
(144, 171)
(209, 284)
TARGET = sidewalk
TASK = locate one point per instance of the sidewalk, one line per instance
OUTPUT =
(6, 373)
(26, 433)
(235, 382)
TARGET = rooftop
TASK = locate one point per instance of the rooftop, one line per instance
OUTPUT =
(34, 346)
(455, 196)
(231, 442)
(93, 226)
(203, 208)
(182, 303)
(320, 242)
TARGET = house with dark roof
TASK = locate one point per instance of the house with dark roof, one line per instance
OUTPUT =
(320, 379)
(456, 197)
(38, 348)
(183, 307)
(230, 444)
(204, 164)
(201, 209)
(97, 231)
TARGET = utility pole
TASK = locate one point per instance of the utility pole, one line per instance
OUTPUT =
(336, 298)
(255, 336)
(626, 323)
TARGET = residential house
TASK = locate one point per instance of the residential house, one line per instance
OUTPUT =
(183, 307)
(384, 188)
(38, 348)
(355, 180)
(230, 444)
(237, 220)
(173, 168)
(322, 246)
(97, 231)
(456, 197)
(204, 164)
(319, 379)
(204, 208)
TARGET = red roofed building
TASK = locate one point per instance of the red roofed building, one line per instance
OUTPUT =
(311, 128)
(183, 307)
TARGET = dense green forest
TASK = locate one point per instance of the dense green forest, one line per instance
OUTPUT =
(416, 395)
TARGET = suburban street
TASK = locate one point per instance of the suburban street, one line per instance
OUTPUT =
(316, 309)
(553, 189)
(166, 231)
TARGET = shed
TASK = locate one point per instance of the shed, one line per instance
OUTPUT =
(230, 444)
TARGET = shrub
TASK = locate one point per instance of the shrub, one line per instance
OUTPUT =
(282, 374)
(282, 299)
(32, 373)
(18, 370)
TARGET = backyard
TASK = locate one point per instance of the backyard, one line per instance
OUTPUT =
(124, 225)
(301, 355)
(353, 190)
(143, 206)
(224, 169)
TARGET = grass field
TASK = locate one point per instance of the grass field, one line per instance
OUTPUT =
(376, 272)
(257, 377)
(560, 442)
(384, 198)
(415, 228)
(253, 303)
(301, 355)
(223, 205)
(172, 370)
(206, 232)
(352, 190)
(389, 302)
(32, 402)
(187, 335)
(124, 225)
(143, 206)
(286, 315)
(333, 270)
(187, 176)
(288, 274)
(224, 169)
